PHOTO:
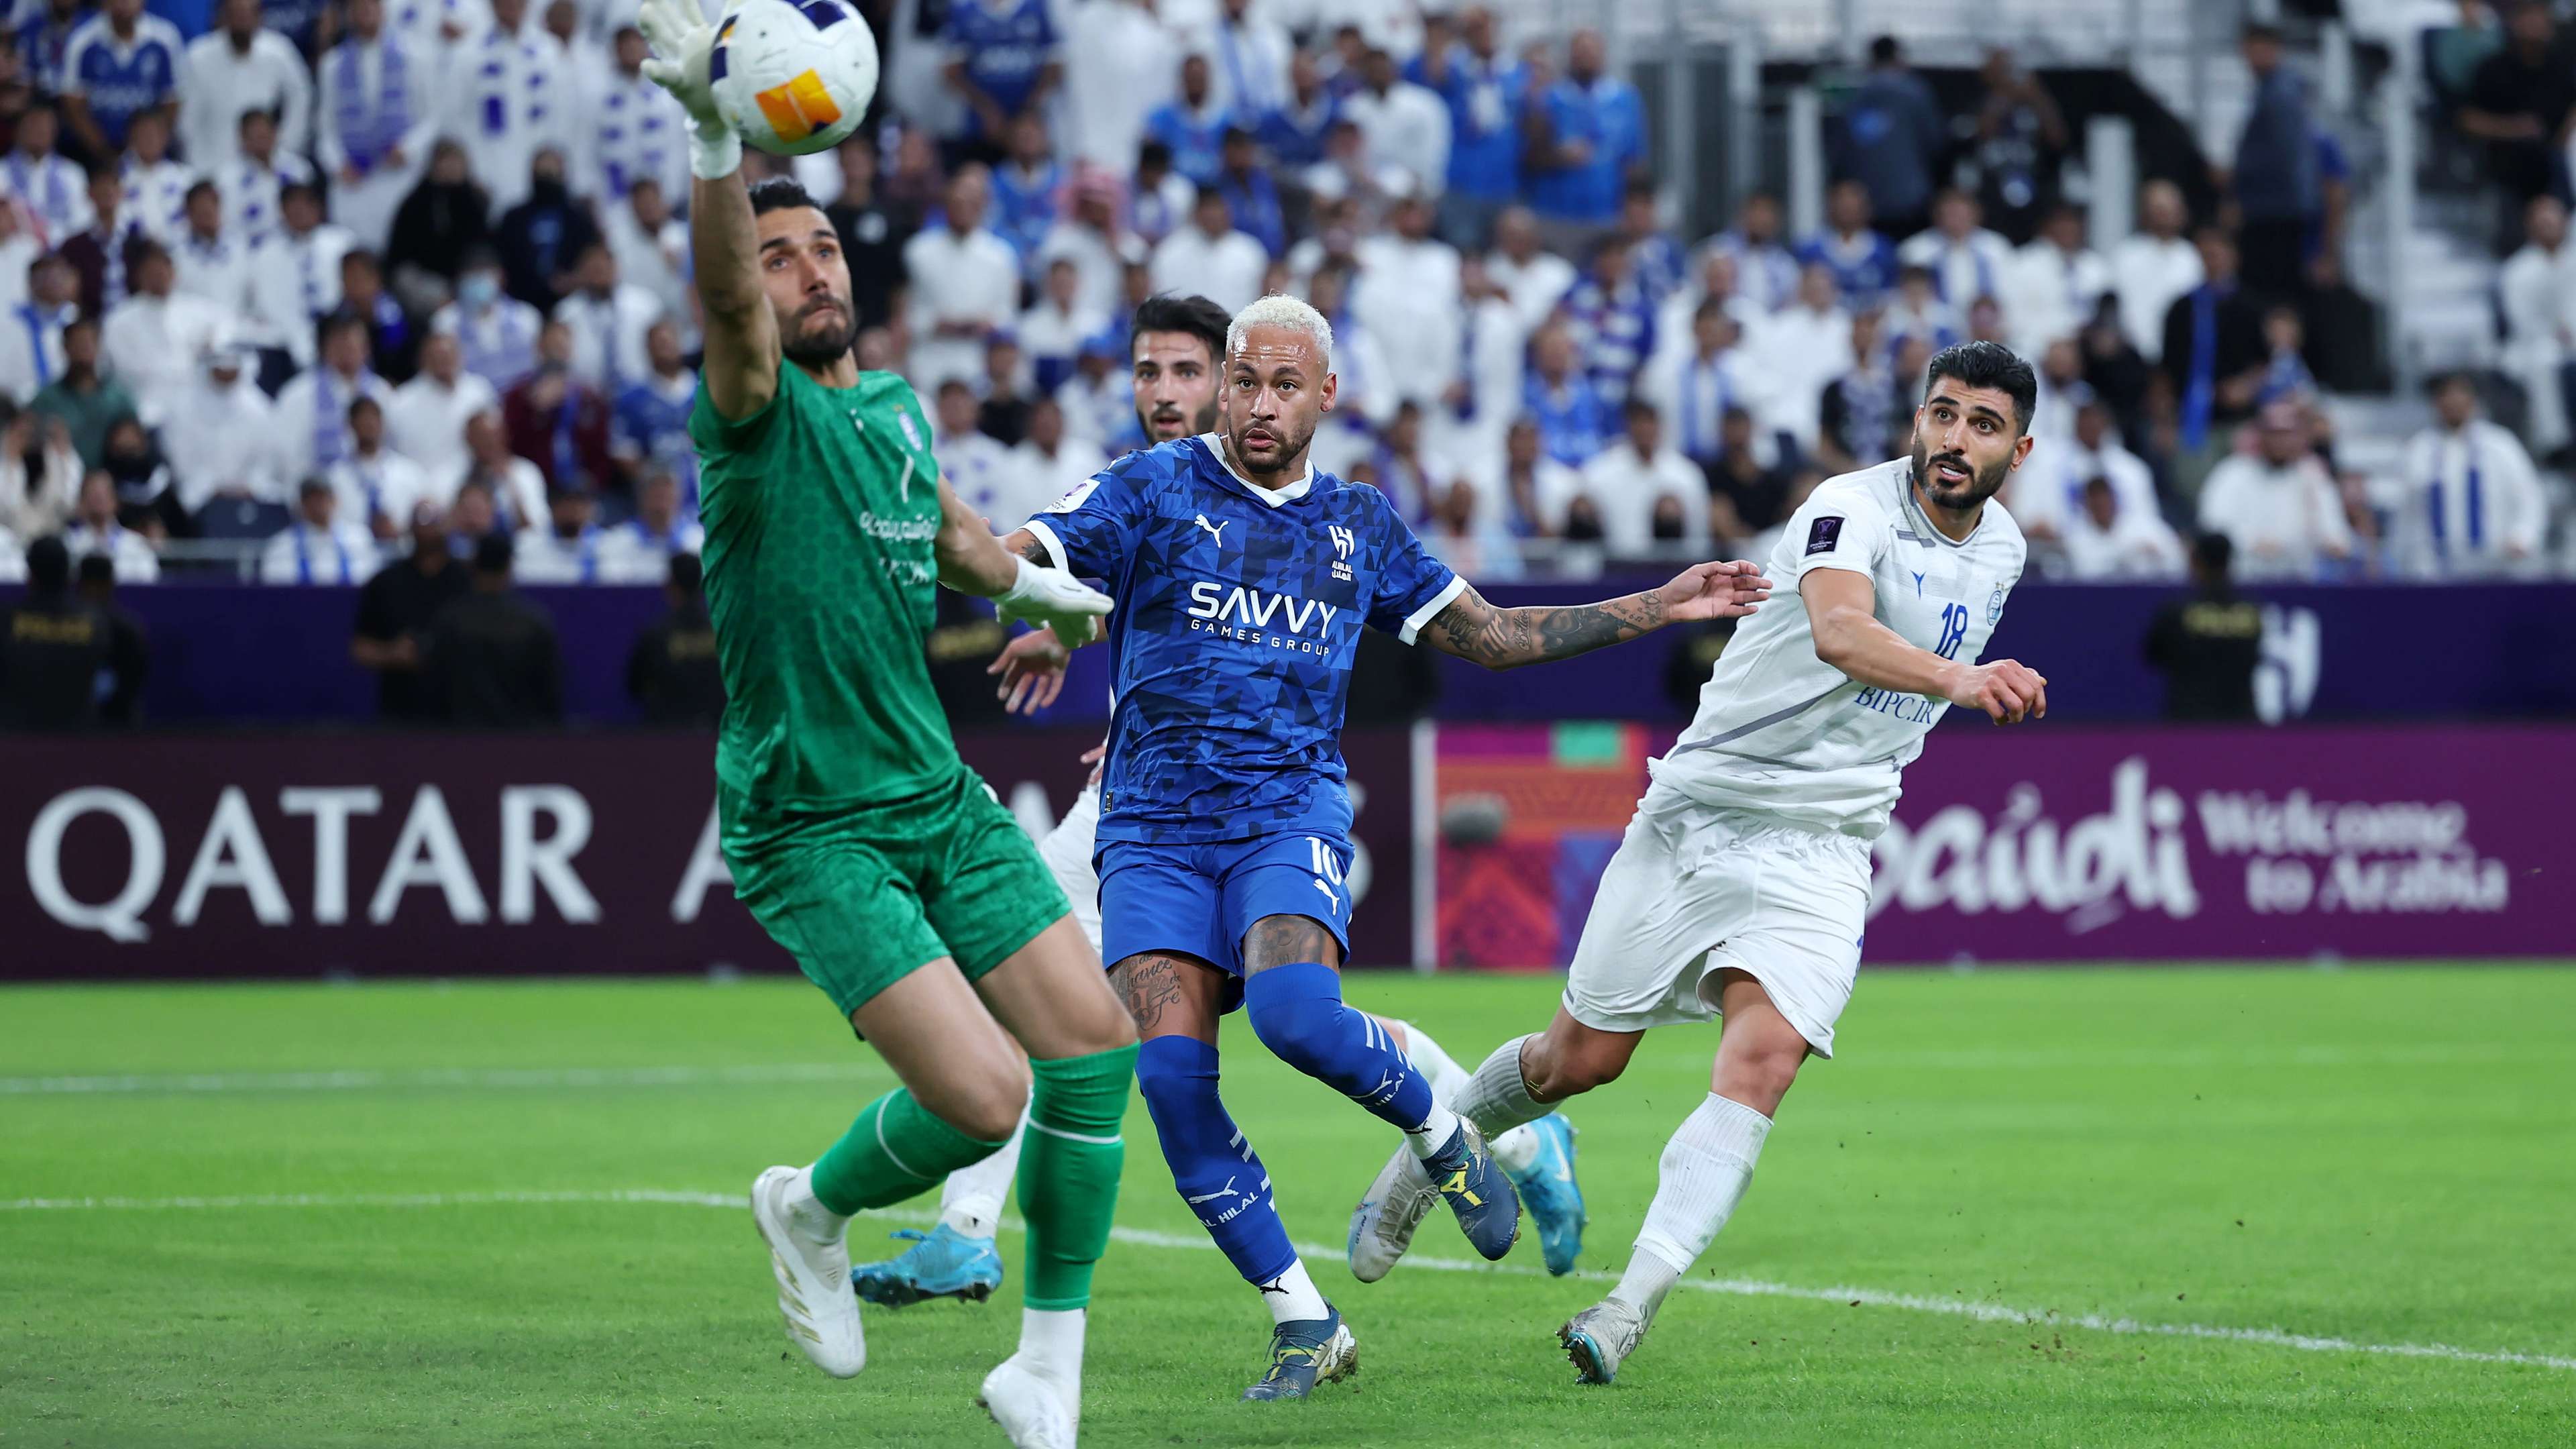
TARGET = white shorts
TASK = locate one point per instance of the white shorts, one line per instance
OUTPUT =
(1067, 853)
(1695, 889)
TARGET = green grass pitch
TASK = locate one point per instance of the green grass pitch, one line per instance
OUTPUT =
(419, 1243)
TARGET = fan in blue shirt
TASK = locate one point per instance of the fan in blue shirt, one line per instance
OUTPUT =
(1251, 198)
(648, 426)
(1613, 313)
(1243, 576)
(1294, 133)
(1485, 90)
(1574, 421)
(1193, 125)
(1598, 126)
(116, 64)
(1026, 190)
(1862, 260)
(44, 41)
(1002, 59)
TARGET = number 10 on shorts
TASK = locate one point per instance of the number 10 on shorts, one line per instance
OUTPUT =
(1328, 874)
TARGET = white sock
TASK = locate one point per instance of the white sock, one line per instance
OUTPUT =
(1496, 1098)
(807, 1212)
(1703, 1174)
(1293, 1297)
(1434, 1133)
(1515, 1151)
(1437, 1067)
(971, 1200)
(1051, 1344)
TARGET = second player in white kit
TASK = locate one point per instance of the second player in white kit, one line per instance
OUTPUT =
(1742, 886)
(1756, 832)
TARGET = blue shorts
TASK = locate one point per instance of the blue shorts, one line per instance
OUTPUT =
(1198, 900)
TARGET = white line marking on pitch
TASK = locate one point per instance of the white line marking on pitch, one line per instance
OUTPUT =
(542, 1078)
(1147, 1238)
(500, 1077)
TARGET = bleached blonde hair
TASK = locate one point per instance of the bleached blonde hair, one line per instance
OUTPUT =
(1281, 310)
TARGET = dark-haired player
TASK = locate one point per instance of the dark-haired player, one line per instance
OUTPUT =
(1173, 346)
(1742, 886)
(856, 836)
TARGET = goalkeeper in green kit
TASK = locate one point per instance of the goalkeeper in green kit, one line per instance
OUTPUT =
(856, 835)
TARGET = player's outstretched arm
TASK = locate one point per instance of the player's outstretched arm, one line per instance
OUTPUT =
(741, 333)
(1011, 573)
(1841, 613)
(1472, 628)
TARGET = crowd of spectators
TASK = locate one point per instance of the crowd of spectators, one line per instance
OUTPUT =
(341, 282)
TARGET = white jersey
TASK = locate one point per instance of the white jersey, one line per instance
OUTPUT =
(1783, 734)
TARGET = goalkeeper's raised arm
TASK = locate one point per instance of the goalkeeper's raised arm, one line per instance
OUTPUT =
(771, 280)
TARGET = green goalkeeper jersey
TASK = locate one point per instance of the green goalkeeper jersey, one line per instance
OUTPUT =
(820, 512)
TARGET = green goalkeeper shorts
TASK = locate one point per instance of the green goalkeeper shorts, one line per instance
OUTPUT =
(864, 897)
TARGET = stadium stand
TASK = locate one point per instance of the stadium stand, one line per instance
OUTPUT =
(1511, 217)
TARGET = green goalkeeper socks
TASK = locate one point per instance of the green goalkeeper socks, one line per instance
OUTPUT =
(895, 1149)
(1069, 1165)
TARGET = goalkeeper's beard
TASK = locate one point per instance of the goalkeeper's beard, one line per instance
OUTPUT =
(819, 346)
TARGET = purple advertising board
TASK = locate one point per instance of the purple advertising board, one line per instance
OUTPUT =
(173, 856)
(2136, 844)
(236, 654)
(2049, 843)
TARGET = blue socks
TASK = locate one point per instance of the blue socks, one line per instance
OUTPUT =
(1298, 1013)
(1212, 1162)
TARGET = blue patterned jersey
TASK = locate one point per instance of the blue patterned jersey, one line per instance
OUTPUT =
(1238, 618)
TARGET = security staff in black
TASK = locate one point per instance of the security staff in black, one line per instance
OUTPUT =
(672, 672)
(129, 649)
(53, 649)
(493, 659)
(2208, 643)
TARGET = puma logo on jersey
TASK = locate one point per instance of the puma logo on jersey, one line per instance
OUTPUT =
(1214, 530)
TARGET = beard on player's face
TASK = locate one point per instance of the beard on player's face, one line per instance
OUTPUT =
(818, 332)
(1957, 493)
(1162, 419)
(1281, 437)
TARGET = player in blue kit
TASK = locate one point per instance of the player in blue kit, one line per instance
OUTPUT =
(1177, 345)
(1243, 577)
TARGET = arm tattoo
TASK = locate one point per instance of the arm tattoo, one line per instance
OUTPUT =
(1504, 638)
(1033, 550)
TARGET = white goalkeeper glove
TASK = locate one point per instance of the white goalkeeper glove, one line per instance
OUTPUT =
(682, 42)
(1053, 599)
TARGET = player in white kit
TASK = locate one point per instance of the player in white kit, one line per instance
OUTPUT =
(1742, 886)
(1176, 343)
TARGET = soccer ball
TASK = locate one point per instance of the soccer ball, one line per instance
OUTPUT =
(793, 77)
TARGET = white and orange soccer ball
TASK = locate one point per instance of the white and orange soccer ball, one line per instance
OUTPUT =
(793, 77)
